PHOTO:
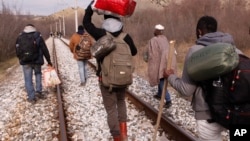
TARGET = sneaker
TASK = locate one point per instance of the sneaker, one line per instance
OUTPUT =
(32, 101)
(157, 97)
(168, 104)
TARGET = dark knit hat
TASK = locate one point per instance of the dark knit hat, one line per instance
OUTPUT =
(80, 27)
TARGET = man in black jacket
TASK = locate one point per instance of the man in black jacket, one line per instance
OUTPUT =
(114, 102)
(33, 64)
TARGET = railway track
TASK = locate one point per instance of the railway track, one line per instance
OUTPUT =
(174, 131)
(72, 112)
(63, 133)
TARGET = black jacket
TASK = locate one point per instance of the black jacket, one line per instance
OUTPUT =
(43, 50)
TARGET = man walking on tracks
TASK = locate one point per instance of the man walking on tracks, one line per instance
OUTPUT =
(113, 98)
(158, 48)
(80, 44)
(207, 34)
(30, 49)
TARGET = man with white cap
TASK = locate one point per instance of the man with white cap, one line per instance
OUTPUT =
(158, 48)
(114, 102)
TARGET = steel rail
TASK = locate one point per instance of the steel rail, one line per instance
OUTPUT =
(177, 133)
(62, 123)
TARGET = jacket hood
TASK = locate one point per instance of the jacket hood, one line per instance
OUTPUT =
(112, 25)
(215, 37)
(29, 29)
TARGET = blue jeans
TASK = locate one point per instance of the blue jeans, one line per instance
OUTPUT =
(28, 78)
(160, 89)
(82, 70)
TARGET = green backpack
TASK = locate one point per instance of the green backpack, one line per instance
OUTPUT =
(117, 67)
(212, 61)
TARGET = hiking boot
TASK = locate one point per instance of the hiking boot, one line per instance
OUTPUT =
(123, 131)
(157, 97)
(82, 84)
(32, 101)
(168, 104)
(41, 95)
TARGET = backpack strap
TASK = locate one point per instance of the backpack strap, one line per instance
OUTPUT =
(122, 35)
(86, 35)
(107, 33)
(37, 38)
(81, 39)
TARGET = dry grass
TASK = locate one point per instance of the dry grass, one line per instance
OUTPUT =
(5, 66)
(181, 26)
(179, 21)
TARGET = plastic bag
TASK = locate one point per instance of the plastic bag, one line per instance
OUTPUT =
(50, 77)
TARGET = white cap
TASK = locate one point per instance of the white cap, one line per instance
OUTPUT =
(29, 29)
(112, 25)
(159, 27)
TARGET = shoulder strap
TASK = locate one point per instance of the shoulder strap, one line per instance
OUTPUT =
(85, 35)
(81, 39)
(122, 36)
(37, 37)
(109, 34)
(37, 34)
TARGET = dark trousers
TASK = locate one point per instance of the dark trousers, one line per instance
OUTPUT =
(115, 106)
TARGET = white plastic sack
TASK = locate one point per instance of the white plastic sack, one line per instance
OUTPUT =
(50, 77)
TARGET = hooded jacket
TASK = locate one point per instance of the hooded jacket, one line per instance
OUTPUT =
(188, 87)
(43, 50)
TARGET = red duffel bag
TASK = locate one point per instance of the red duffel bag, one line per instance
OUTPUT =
(121, 8)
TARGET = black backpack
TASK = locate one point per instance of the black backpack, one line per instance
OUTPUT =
(229, 95)
(27, 48)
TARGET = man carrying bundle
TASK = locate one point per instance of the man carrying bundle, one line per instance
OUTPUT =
(113, 97)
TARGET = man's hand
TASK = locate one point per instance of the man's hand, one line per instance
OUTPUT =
(166, 73)
(50, 64)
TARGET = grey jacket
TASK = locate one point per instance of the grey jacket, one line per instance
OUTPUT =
(188, 87)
